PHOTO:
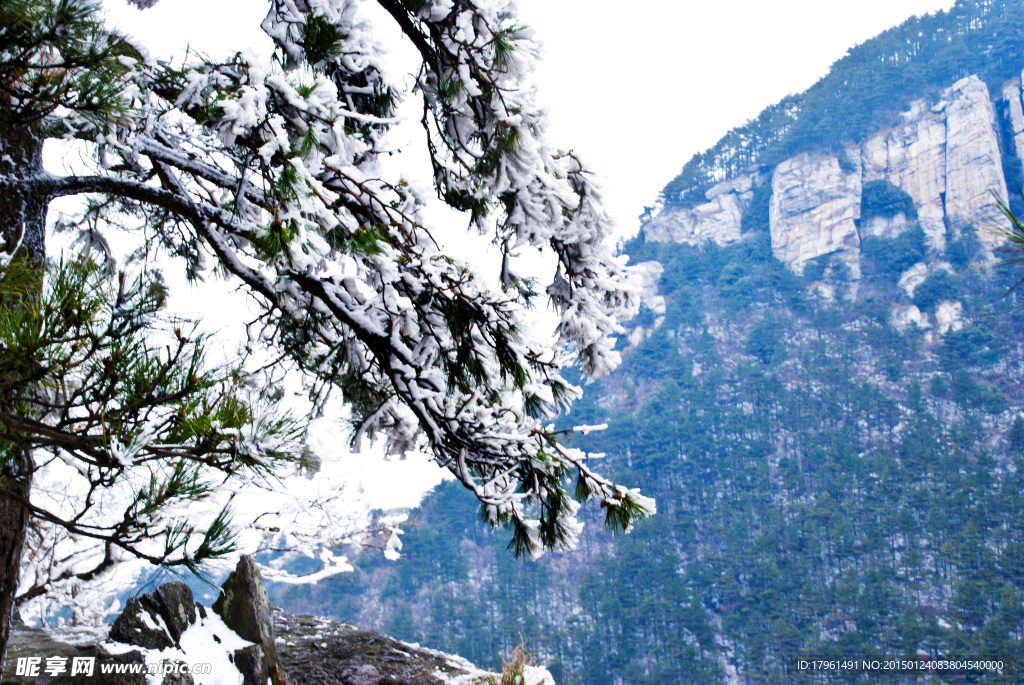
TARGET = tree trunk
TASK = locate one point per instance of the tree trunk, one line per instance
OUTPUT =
(16, 480)
(22, 219)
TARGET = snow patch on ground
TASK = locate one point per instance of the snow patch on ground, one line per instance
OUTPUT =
(537, 675)
(207, 641)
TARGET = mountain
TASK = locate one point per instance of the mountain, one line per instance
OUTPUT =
(866, 91)
(824, 391)
(938, 170)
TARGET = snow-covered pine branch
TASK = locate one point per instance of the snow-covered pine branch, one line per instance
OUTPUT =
(273, 172)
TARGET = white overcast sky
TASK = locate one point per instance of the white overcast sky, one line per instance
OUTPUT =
(639, 87)
(634, 87)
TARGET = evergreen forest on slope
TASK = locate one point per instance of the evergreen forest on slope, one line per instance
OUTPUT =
(825, 486)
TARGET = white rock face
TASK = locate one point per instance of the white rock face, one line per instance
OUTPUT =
(825, 291)
(946, 158)
(717, 220)
(913, 157)
(650, 273)
(917, 274)
(973, 165)
(913, 277)
(742, 186)
(813, 212)
(949, 316)
(906, 315)
(884, 226)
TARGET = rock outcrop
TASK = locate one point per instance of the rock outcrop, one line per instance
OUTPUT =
(262, 643)
(906, 315)
(974, 169)
(313, 651)
(814, 210)
(84, 643)
(918, 273)
(949, 316)
(717, 220)
(316, 651)
(649, 275)
(884, 226)
(913, 158)
(245, 608)
(157, 619)
(945, 155)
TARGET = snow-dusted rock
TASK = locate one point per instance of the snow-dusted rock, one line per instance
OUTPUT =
(83, 643)
(318, 651)
(949, 316)
(313, 651)
(253, 643)
(537, 675)
(906, 315)
(813, 212)
(245, 608)
(134, 627)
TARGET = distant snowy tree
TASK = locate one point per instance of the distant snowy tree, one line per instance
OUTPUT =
(271, 175)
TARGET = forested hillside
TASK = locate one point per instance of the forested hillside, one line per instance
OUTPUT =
(835, 437)
(826, 485)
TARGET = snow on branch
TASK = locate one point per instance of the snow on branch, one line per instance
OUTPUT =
(274, 170)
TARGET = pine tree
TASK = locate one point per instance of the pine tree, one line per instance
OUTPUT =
(90, 403)
(272, 173)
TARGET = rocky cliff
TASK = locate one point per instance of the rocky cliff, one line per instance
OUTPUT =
(945, 155)
(913, 158)
(815, 207)
(718, 220)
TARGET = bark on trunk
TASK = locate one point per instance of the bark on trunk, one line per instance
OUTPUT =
(16, 480)
(21, 214)
(22, 219)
